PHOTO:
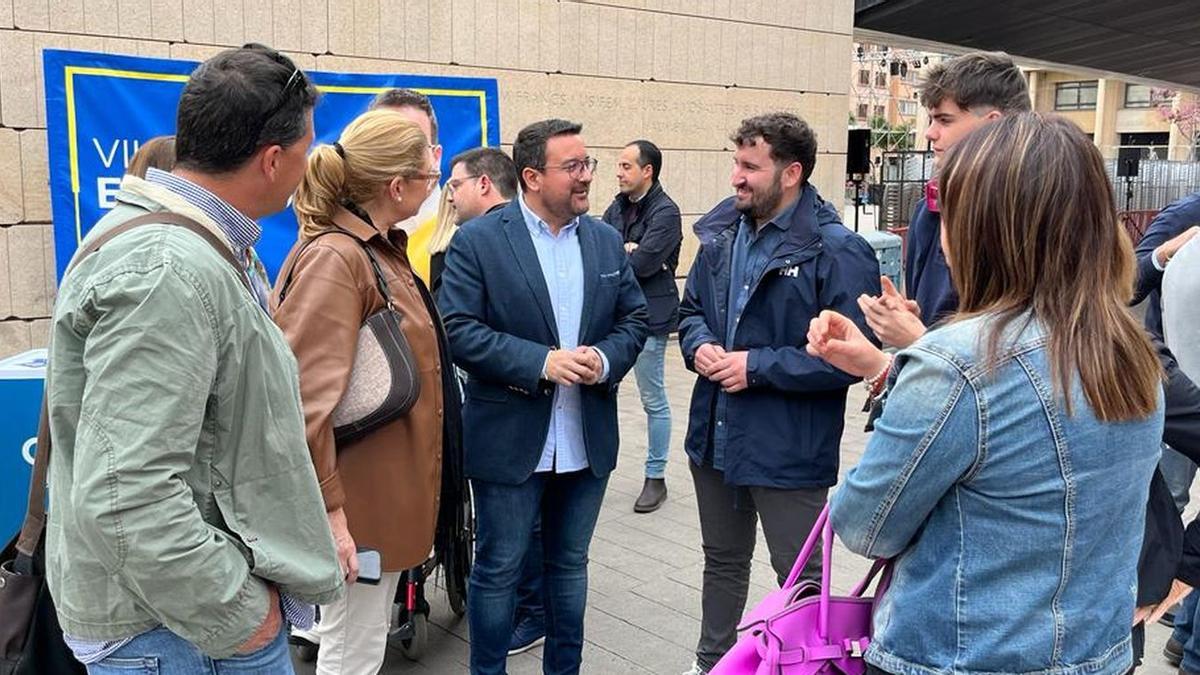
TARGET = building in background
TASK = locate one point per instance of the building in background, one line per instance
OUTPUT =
(883, 94)
(683, 75)
(1118, 114)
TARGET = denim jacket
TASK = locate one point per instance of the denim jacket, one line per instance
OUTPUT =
(1015, 526)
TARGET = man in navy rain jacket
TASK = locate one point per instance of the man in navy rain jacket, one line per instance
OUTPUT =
(766, 418)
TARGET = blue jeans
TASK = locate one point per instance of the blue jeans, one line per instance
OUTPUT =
(569, 505)
(1179, 471)
(649, 372)
(161, 652)
(1185, 634)
(530, 603)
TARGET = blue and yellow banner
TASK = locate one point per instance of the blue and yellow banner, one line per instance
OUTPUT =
(100, 107)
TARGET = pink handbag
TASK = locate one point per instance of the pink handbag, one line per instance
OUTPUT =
(801, 629)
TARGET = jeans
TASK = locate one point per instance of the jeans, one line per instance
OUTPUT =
(1185, 633)
(161, 652)
(728, 529)
(569, 505)
(649, 372)
(530, 603)
(1179, 472)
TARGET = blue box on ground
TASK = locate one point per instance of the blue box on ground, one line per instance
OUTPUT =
(21, 381)
(887, 251)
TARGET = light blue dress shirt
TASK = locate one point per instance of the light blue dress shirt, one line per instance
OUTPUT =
(561, 260)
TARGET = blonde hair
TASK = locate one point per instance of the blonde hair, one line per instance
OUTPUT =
(375, 148)
(447, 225)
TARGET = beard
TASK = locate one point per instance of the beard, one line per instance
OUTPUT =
(764, 202)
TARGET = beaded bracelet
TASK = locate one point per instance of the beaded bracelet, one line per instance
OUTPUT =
(874, 384)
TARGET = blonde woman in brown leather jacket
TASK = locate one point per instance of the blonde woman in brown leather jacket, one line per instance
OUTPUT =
(381, 491)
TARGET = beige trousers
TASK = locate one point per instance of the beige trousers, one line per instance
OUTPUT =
(353, 631)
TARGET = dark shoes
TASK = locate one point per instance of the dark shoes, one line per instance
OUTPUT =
(654, 494)
(529, 633)
(1174, 652)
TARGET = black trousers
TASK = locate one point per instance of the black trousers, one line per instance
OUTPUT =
(728, 527)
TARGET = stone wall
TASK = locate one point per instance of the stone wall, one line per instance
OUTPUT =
(680, 73)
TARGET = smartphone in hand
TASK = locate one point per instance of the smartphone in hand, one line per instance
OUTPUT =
(369, 566)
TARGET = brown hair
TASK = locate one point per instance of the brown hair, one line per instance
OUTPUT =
(156, 153)
(1031, 227)
(790, 138)
(408, 98)
(977, 80)
(376, 147)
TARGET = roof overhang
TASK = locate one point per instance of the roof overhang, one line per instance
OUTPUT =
(1154, 42)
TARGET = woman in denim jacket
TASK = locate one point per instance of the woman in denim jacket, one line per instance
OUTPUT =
(1008, 473)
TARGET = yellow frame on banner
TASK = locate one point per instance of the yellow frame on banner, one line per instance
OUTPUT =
(72, 143)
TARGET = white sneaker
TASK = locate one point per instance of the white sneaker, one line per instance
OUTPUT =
(695, 670)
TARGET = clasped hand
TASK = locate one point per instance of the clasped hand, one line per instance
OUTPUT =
(569, 367)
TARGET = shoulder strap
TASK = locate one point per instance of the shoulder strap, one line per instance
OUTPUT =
(165, 218)
(380, 281)
(35, 512)
(291, 268)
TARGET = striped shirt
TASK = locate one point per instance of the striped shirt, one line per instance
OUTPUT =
(241, 230)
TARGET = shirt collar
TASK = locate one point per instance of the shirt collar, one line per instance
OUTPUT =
(782, 221)
(241, 230)
(535, 223)
(635, 199)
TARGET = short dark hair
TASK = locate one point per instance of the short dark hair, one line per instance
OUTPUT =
(494, 164)
(529, 150)
(977, 79)
(237, 102)
(648, 153)
(408, 98)
(790, 138)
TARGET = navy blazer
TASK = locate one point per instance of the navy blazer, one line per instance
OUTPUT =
(1172, 221)
(926, 272)
(496, 307)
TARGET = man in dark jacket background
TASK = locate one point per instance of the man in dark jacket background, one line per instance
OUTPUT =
(1173, 227)
(960, 95)
(766, 418)
(650, 225)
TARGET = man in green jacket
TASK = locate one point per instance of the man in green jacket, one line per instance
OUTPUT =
(186, 525)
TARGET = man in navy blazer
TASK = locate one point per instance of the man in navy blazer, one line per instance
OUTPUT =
(545, 315)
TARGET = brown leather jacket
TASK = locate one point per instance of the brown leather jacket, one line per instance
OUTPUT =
(389, 481)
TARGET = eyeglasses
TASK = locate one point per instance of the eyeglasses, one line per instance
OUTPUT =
(430, 178)
(453, 184)
(294, 82)
(575, 168)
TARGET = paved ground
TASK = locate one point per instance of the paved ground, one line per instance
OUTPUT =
(644, 592)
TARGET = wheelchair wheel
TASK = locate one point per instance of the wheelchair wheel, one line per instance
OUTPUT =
(461, 556)
(413, 648)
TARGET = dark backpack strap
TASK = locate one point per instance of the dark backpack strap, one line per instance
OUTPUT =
(35, 512)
